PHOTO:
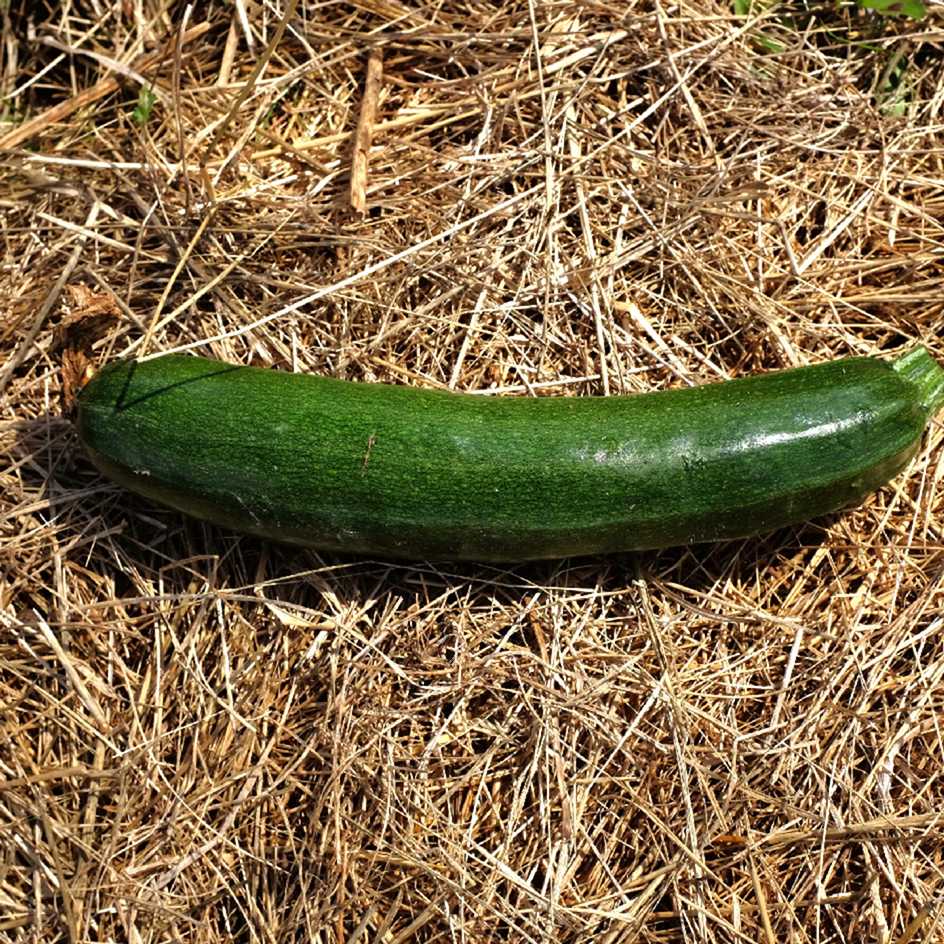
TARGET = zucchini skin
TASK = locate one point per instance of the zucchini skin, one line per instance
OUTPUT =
(400, 472)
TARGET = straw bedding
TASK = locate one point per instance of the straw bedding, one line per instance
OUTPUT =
(209, 738)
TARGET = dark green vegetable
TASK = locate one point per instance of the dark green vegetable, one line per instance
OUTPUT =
(402, 472)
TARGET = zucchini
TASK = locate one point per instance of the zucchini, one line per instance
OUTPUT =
(424, 474)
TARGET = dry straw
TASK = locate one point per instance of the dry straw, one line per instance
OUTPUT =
(206, 738)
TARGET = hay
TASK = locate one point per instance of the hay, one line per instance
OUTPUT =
(207, 738)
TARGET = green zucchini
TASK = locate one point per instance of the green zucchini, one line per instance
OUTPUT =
(423, 474)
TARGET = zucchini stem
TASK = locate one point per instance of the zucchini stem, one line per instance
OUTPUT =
(919, 368)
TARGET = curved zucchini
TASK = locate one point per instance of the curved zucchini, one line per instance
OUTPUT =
(401, 472)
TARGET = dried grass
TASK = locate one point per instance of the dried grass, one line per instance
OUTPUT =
(206, 738)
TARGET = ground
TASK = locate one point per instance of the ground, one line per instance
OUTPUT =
(207, 737)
